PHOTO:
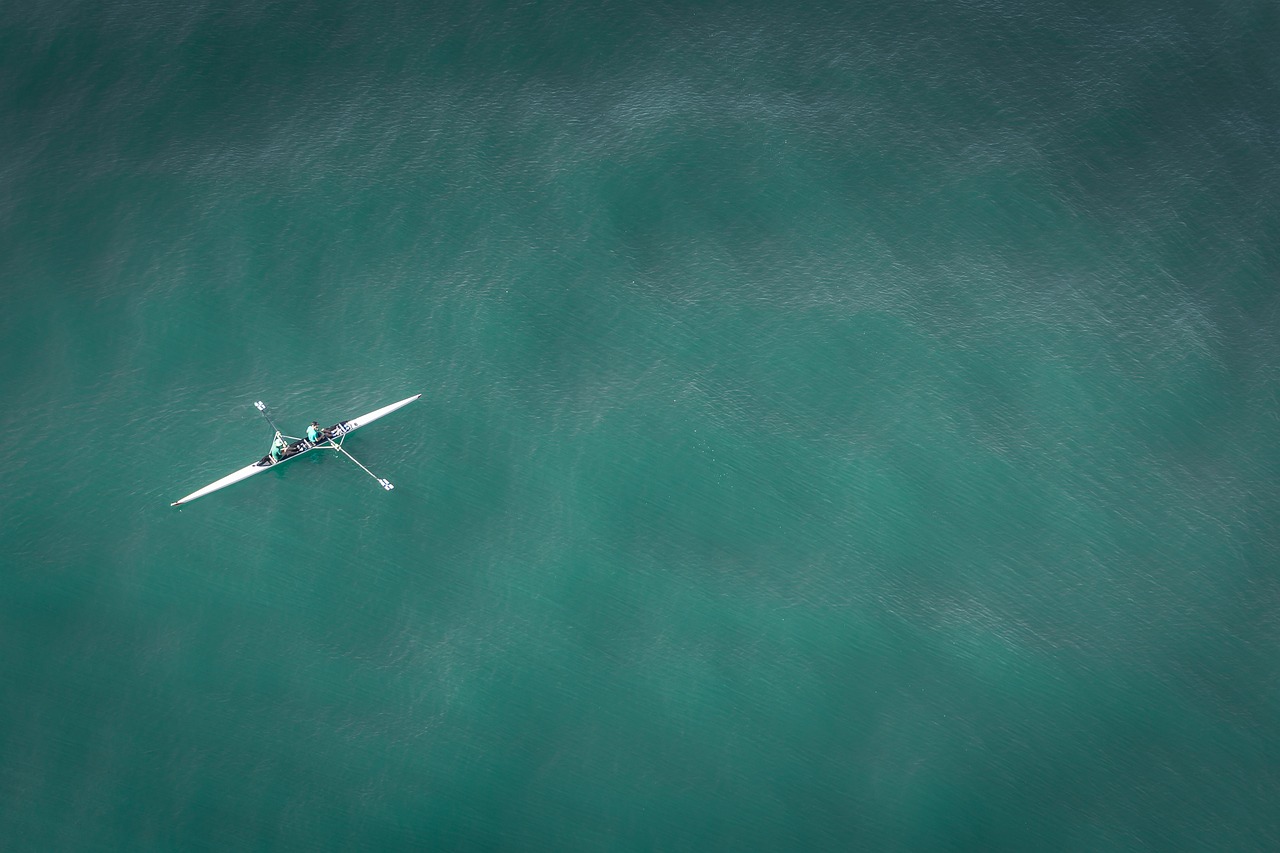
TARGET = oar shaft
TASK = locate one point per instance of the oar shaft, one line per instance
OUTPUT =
(338, 447)
(262, 407)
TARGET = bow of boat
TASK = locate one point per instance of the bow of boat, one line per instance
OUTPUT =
(356, 423)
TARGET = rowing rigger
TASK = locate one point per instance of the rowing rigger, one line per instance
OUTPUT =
(330, 439)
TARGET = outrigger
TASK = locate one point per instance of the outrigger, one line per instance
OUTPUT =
(329, 439)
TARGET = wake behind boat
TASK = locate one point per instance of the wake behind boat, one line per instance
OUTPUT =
(328, 439)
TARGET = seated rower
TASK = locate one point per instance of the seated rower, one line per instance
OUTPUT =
(277, 448)
(313, 432)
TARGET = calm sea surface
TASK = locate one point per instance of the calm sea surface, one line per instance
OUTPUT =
(847, 427)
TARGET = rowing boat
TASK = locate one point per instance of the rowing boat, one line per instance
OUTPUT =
(330, 439)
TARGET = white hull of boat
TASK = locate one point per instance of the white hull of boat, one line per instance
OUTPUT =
(338, 430)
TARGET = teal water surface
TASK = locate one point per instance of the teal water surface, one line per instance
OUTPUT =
(843, 428)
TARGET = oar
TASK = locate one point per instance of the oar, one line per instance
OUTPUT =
(262, 407)
(381, 482)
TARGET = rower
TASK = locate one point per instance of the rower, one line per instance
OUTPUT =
(313, 432)
(277, 448)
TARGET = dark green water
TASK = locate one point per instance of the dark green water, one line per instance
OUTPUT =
(845, 428)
